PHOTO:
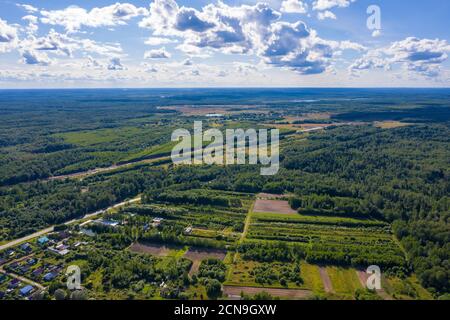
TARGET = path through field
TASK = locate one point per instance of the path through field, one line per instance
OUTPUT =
(233, 291)
(363, 276)
(326, 280)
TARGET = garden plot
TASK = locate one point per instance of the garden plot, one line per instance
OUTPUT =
(232, 291)
(198, 255)
(158, 250)
(273, 206)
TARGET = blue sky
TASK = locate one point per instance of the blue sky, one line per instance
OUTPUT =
(273, 43)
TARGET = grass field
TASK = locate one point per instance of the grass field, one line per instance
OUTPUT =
(344, 281)
(311, 276)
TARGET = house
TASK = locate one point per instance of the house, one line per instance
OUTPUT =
(31, 262)
(25, 291)
(62, 235)
(24, 269)
(61, 246)
(26, 247)
(87, 232)
(188, 230)
(37, 272)
(49, 276)
(157, 222)
(60, 249)
(14, 284)
(109, 223)
(43, 240)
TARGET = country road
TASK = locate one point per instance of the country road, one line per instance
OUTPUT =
(79, 175)
(23, 279)
(13, 243)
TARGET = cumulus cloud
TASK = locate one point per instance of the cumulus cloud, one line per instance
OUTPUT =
(187, 62)
(32, 27)
(157, 54)
(34, 57)
(294, 6)
(115, 64)
(321, 5)
(421, 56)
(326, 15)
(8, 33)
(28, 8)
(65, 45)
(376, 33)
(246, 29)
(73, 18)
(324, 6)
(157, 41)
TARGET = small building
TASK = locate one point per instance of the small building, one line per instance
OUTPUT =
(31, 262)
(49, 276)
(61, 235)
(157, 222)
(87, 232)
(108, 223)
(38, 272)
(14, 284)
(188, 230)
(43, 240)
(61, 246)
(25, 291)
(26, 247)
(61, 250)
(24, 269)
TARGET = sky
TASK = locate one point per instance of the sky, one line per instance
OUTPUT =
(228, 43)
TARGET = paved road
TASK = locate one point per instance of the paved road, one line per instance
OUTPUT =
(95, 171)
(50, 229)
(26, 238)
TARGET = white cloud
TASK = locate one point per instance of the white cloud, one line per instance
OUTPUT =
(294, 6)
(243, 29)
(28, 8)
(157, 54)
(73, 18)
(376, 33)
(34, 57)
(420, 56)
(326, 15)
(187, 62)
(8, 33)
(321, 5)
(115, 64)
(157, 41)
